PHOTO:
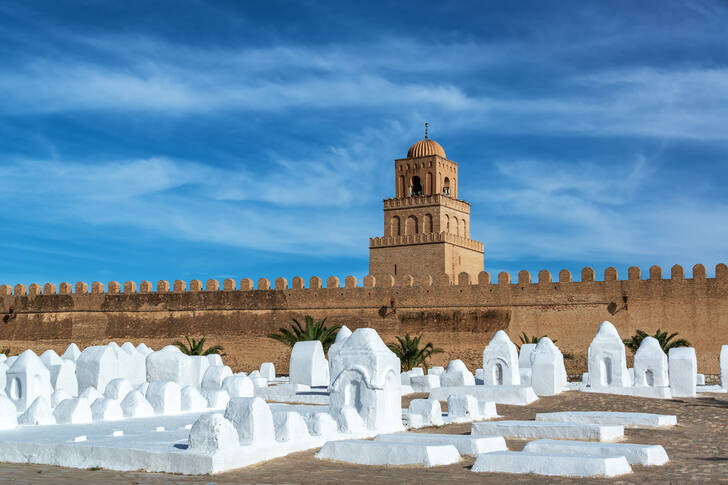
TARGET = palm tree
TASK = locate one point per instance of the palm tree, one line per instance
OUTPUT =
(195, 347)
(666, 341)
(409, 352)
(312, 330)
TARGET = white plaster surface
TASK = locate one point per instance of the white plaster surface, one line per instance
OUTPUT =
(96, 367)
(215, 375)
(73, 411)
(724, 367)
(27, 379)
(424, 383)
(538, 429)
(193, 400)
(650, 364)
(118, 389)
(72, 352)
(165, 397)
(648, 392)
(465, 444)
(364, 452)
(365, 376)
(645, 455)
(308, 364)
(500, 361)
(548, 374)
(457, 374)
(429, 409)
(519, 462)
(628, 420)
(683, 369)
(268, 370)
(63, 377)
(106, 410)
(516, 395)
(607, 359)
(8, 413)
(239, 385)
(39, 413)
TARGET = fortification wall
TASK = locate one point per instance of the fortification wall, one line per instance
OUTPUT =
(459, 316)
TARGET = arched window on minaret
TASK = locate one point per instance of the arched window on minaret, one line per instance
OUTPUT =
(416, 188)
(465, 229)
(427, 224)
(428, 184)
(447, 223)
(395, 230)
(446, 187)
(457, 226)
(411, 226)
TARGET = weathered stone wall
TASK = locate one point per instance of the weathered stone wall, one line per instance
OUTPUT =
(459, 317)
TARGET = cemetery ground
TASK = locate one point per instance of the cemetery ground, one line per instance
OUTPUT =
(697, 447)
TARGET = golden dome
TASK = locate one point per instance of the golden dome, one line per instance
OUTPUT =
(425, 148)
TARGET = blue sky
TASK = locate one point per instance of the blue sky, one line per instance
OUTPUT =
(180, 140)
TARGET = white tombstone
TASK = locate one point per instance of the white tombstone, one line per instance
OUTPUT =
(59, 396)
(548, 374)
(341, 336)
(462, 406)
(105, 409)
(683, 370)
(118, 388)
(650, 365)
(135, 405)
(170, 364)
(3, 376)
(252, 419)
(524, 356)
(214, 359)
(724, 367)
(133, 364)
(50, 358)
(424, 383)
(436, 370)
(165, 397)
(63, 377)
(96, 366)
(457, 374)
(239, 385)
(365, 377)
(259, 382)
(8, 413)
(500, 361)
(216, 398)
(215, 375)
(607, 359)
(268, 370)
(429, 409)
(290, 426)
(26, 380)
(73, 411)
(348, 420)
(72, 353)
(143, 349)
(193, 400)
(211, 433)
(91, 394)
(39, 413)
(308, 364)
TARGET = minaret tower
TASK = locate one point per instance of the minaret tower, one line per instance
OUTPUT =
(426, 226)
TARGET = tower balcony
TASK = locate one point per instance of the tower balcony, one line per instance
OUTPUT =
(425, 238)
(426, 200)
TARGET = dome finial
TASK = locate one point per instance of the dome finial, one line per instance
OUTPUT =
(427, 125)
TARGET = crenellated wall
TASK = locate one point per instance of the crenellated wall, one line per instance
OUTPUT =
(459, 316)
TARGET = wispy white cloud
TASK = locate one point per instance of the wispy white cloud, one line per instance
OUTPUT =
(542, 211)
(391, 75)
